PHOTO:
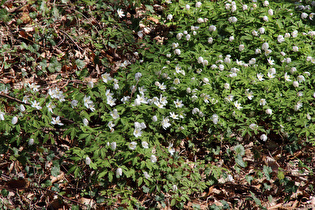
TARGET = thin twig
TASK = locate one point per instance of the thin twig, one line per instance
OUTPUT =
(71, 39)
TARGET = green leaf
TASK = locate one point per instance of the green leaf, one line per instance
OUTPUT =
(140, 180)
(249, 178)
(173, 202)
(80, 64)
(257, 201)
(110, 176)
(239, 161)
(267, 171)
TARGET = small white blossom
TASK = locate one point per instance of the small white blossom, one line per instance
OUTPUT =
(237, 105)
(85, 122)
(198, 4)
(87, 160)
(262, 102)
(269, 111)
(118, 172)
(260, 77)
(113, 145)
(56, 121)
(120, 13)
(145, 145)
(132, 145)
(14, 120)
(153, 159)
(263, 137)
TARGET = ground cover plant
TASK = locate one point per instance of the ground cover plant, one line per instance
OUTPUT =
(154, 104)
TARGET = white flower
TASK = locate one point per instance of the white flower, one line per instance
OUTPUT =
(227, 86)
(301, 78)
(14, 120)
(50, 107)
(171, 149)
(176, 81)
(295, 48)
(263, 137)
(187, 7)
(169, 17)
(111, 126)
(241, 47)
(266, 3)
(35, 104)
(114, 114)
(56, 121)
(137, 132)
(179, 36)
(280, 39)
(145, 145)
(154, 118)
(74, 103)
(177, 51)
(271, 75)
(265, 46)
(231, 38)
(287, 77)
(255, 33)
(261, 30)
(153, 159)
(269, 111)
(262, 102)
(165, 123)
(168, 1)
(215, 118)
(173, 115)
(137, 76)
(178, 104)
(296, 84)
(146, 175)
(294, 33)
(118, 172)
(30, 142)
(257, 51)
(120, 13)
(304, 15)
(198, 4)
(188, 36)
(249, 94)
(113, 145)
(85, 122)
(232, 19)
(132, 145)
(245, 7)
(212, 28)
(260, 77)
(195, 110)
(270, 12)
(34, 87)
(237, 105)
(229, 98)
(271, 61)
(174, 187)
(265, 18)
(200, 20)
(22, 108)
(253, 126)
(87, 160)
